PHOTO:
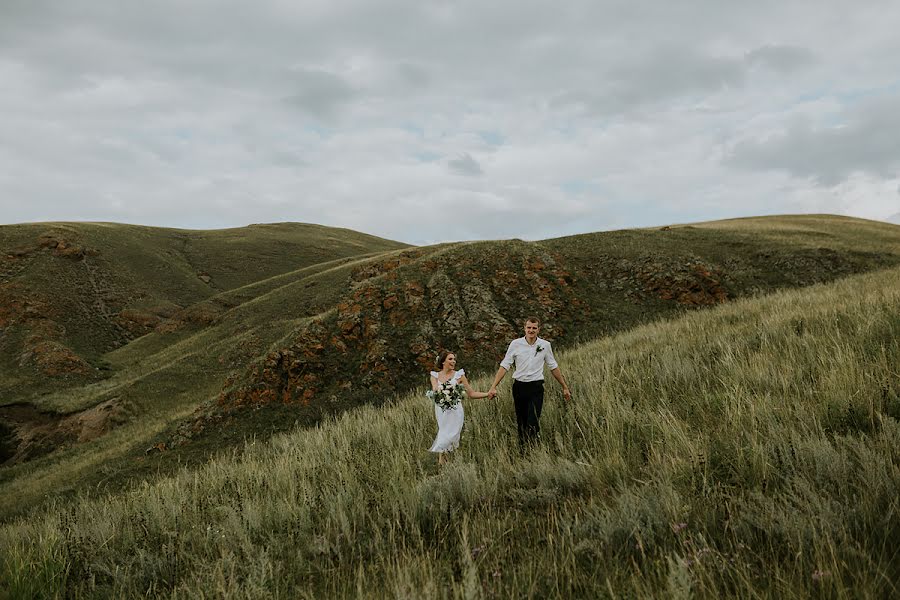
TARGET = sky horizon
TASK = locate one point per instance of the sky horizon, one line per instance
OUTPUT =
(895, 221)
(448, 120)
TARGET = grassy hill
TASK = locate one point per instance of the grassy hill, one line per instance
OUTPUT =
(745, 451)
(72, 292)
(472, 298)
(300, 345)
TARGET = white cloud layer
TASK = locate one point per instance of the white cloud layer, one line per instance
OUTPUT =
(447, 119)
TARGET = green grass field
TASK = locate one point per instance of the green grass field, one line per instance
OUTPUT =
(745, 451)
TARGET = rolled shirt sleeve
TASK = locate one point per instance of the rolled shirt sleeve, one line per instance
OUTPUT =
(507, 361)
(549, 358)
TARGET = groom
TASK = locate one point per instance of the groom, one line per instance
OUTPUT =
(529, 354)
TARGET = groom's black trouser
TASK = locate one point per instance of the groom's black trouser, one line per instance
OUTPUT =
(528, 397)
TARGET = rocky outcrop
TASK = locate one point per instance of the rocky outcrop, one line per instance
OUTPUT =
(168, 319)
(399, 313)
(54, 359)
(138, 322)
(63, 246)
(689, 283)
(15, 306)
(27, 433)
(42, 347)
(396, 312)
(386, 332)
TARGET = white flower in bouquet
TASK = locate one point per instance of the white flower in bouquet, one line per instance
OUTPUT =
(448, 395)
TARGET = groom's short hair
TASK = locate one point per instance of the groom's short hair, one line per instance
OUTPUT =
(534, 320)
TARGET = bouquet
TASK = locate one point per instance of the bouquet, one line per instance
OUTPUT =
(448, 395)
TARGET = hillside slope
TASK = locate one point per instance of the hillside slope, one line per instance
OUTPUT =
(71, 292)
(472, 297)
(746, 451)
(301, 345)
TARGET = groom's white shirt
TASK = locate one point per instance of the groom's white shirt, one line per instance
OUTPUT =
(529, 362)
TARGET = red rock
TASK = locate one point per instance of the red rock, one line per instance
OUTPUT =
(47, 241)
(55, 359)
(338, 345)
(308, 395)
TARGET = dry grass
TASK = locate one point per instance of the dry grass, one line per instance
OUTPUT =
(161, 378)
(746, 451)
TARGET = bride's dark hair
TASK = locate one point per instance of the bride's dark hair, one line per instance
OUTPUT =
(442, 357)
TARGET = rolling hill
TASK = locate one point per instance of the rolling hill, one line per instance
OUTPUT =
(472, 298)
(72, 292)
(745, 451)
(275, 350)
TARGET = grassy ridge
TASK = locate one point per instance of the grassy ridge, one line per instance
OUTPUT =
(264, 310)
(745, 451)
(89, 288)
(471, 298)
(163, 378)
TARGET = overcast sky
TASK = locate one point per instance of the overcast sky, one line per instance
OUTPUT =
(428, 121)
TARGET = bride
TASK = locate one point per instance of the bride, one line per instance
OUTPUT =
(448, 408)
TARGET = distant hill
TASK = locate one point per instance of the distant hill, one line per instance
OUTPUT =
(894, 219)
(72, 292)
(275, 350)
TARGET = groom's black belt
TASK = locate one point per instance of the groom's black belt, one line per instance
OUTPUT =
(541, 381)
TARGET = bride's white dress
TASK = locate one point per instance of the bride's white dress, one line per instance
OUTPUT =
(450, 422)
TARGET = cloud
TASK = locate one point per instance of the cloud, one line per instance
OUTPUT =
(782, 58)
(320, 93)
(656, 78)
(465, 165)
(864, 140)
(532, 119)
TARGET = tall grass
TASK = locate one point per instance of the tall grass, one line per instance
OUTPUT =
(749, 451)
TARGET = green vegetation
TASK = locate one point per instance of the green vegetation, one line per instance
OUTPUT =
(745, 451)
(300, 338)
(161, 376)
(87, 289)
